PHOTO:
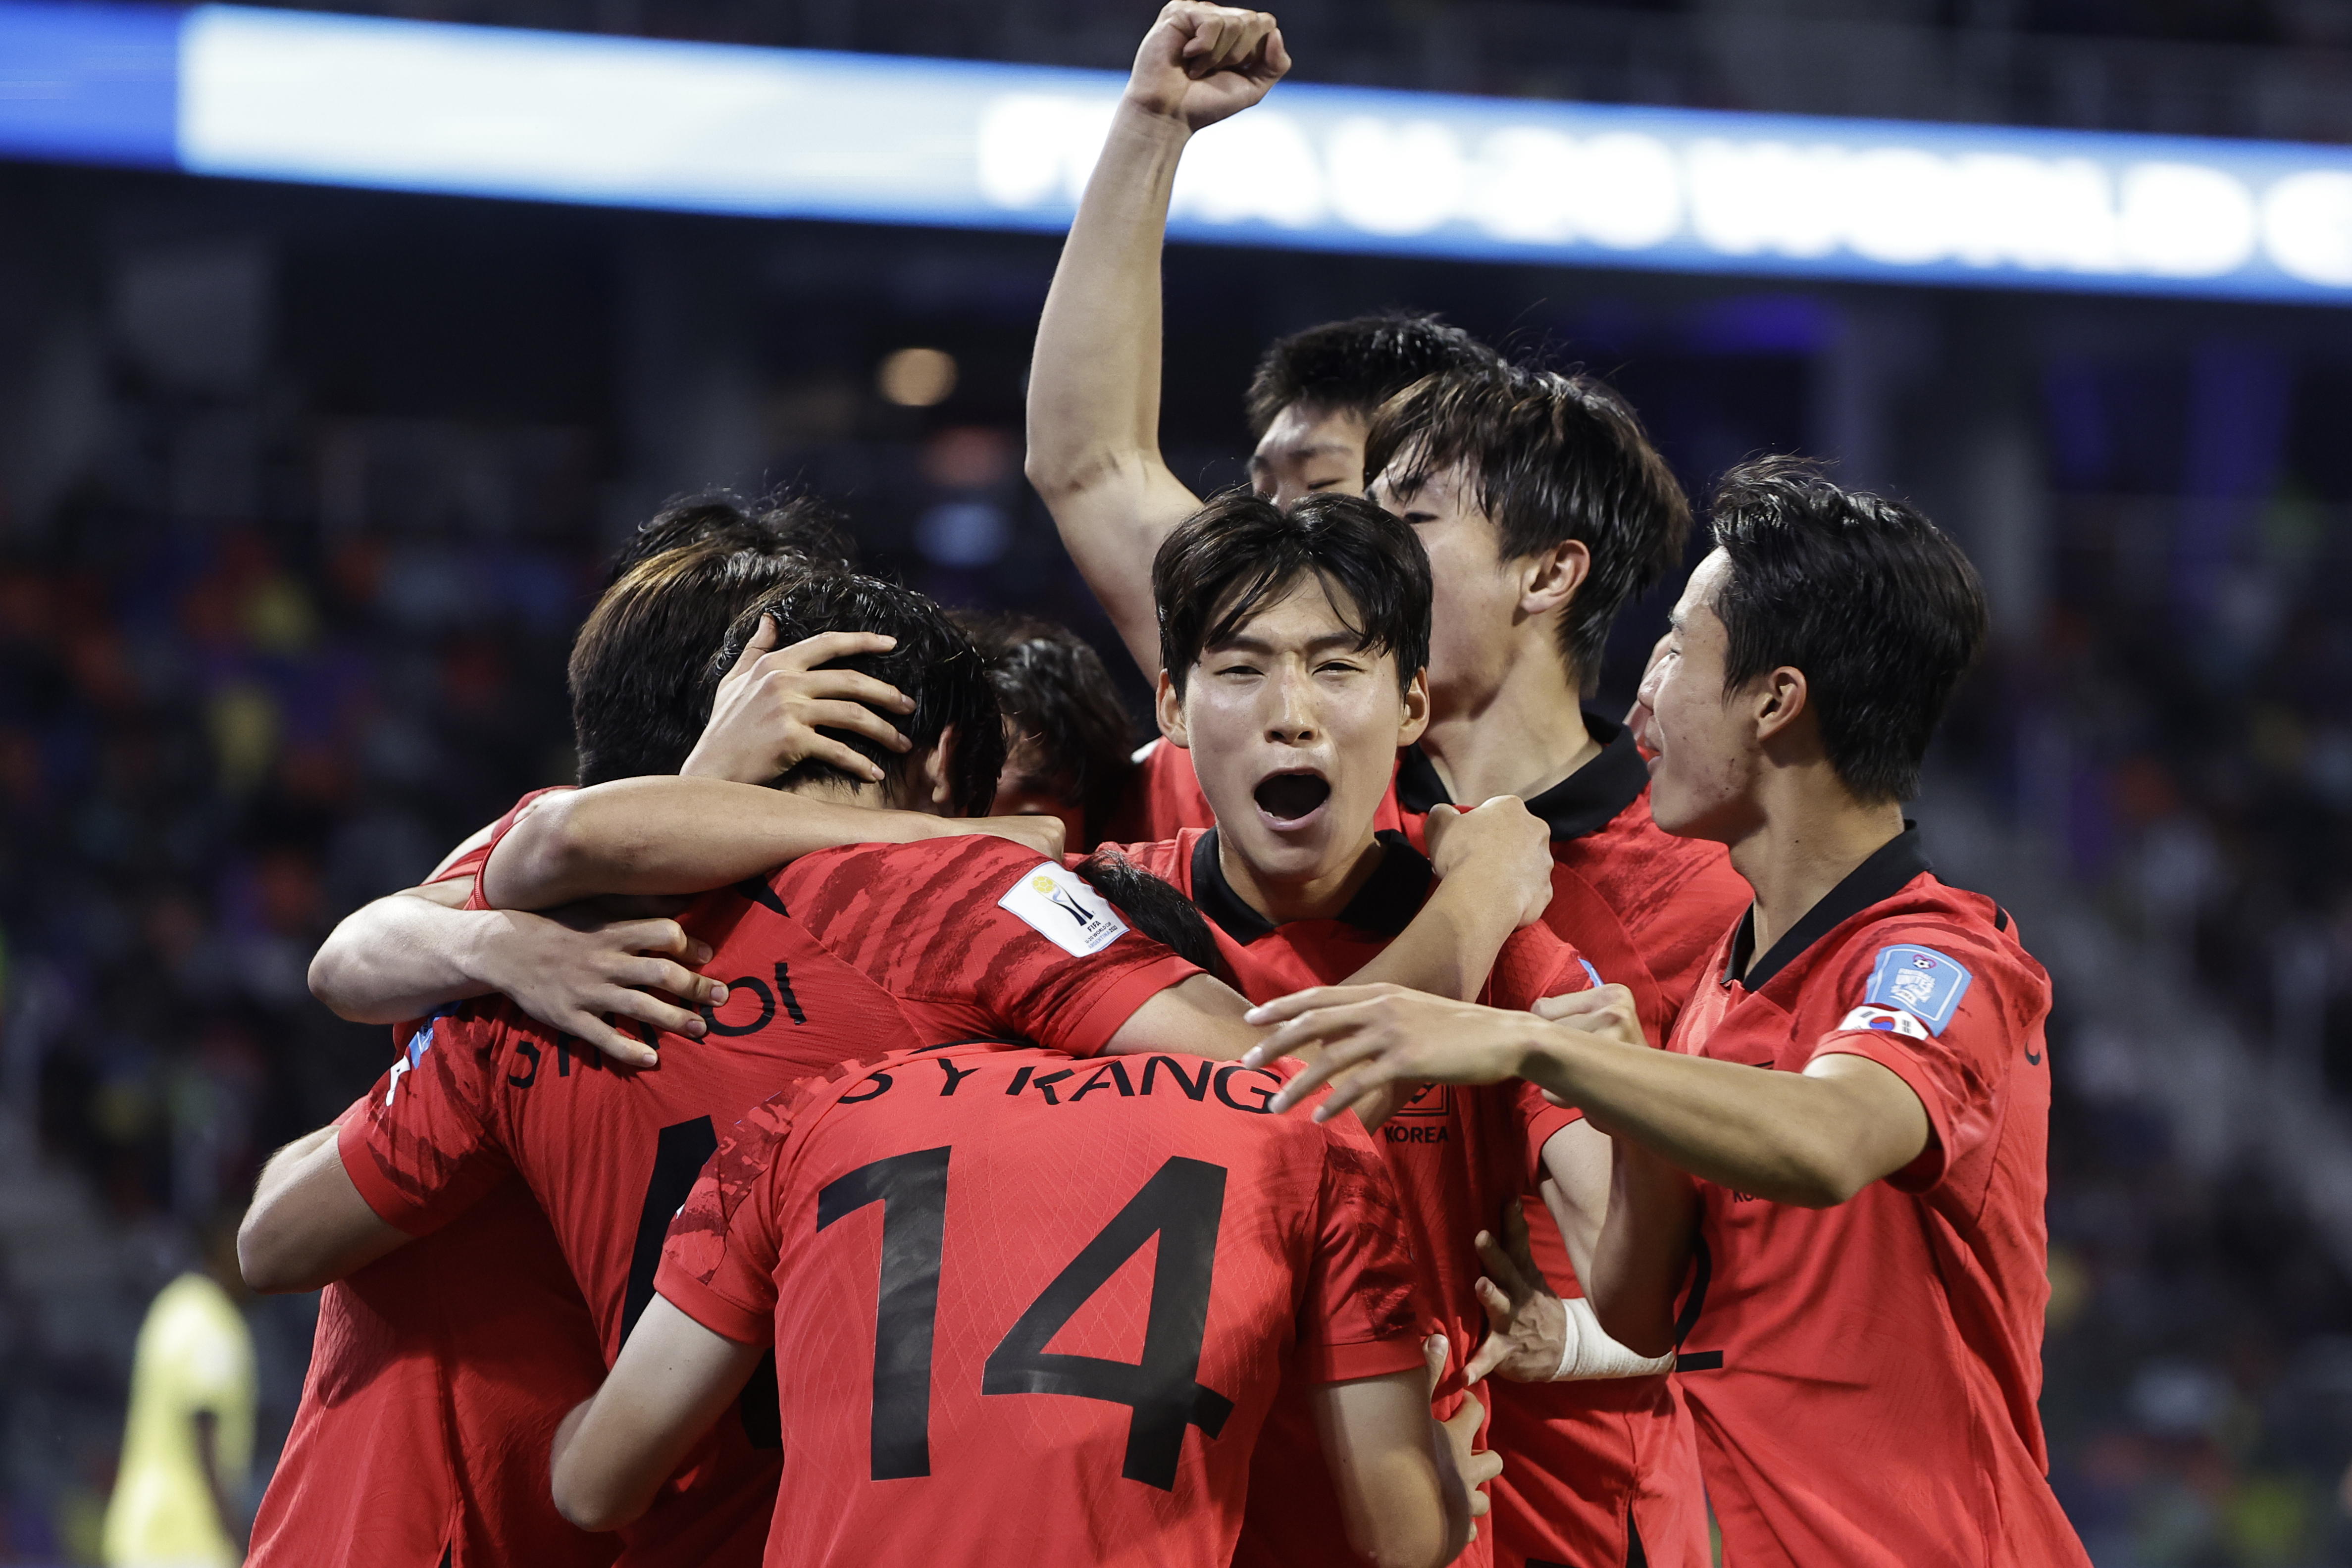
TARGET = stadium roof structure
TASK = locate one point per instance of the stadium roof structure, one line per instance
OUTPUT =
(245, 93)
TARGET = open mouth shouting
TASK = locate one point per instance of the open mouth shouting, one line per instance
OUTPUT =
(1290, 801)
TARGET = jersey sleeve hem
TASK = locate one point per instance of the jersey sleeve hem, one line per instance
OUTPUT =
(1542, 1126)
(728, 1319)
(1923, 1173)
(1363, 1358)
(1119, 1001)
(392, 1205)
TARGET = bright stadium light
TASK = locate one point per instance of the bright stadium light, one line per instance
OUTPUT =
(353, 100)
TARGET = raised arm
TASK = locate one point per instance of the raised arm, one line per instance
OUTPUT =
(1094, 379)
(1494, 875)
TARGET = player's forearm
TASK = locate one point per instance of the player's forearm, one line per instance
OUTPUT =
(1787, 1136)
(1094, 379)
(1450, 946)
(673, 835)
(672, 1379)
(400, 957)
(1643, 1251)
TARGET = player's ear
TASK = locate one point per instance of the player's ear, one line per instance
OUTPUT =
(1550, 578)
(1414, 716)
(1782, 707)
(1168, 706)
(936, 762)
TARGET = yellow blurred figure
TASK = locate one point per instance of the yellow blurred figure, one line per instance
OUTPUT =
(190, 1437)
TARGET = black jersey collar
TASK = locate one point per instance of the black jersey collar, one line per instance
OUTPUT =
(1385, 904)
(1875, 881)
(1586, 801)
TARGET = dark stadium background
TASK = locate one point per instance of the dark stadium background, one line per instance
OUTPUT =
(306, 490)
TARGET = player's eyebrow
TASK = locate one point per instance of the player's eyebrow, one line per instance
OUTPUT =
(1247, 644)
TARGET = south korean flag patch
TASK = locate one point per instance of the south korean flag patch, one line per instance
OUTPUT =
(1061, 907)
(1887, 1021)
(1922, 982)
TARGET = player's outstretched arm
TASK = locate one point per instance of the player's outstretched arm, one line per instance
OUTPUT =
(1094, 379)
(1812, 1138)
(308, 1226)
(674, 1379)
(665, 835)
(408, 954)
(1401, 1494)
(1198, 1016)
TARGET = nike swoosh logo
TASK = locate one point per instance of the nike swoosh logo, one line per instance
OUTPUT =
(2032, 1059)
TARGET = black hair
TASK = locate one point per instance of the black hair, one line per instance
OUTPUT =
(800, 526)
(1550, 457)
(640, 675)
(1874, 603)
(1355, 365)
(1057, 694)
(1223, 564)
(933, 663)
(1158, 909)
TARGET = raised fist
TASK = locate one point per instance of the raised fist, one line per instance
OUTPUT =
(1200, 63)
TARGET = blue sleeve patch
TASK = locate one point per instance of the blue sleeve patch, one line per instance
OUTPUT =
(1591, 972)
(1924, 983)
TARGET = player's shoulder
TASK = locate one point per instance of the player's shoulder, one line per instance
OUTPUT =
(1926, 949)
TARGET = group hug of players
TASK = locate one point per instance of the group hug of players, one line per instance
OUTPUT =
(1318, 1170)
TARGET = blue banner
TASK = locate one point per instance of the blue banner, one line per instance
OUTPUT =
(286, 95)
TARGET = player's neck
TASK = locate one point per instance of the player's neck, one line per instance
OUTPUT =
(1321, 895)
(1809, 837)
(1520, 736)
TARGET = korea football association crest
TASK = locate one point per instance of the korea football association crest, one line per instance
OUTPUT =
(1922, 982)
(1061, 907)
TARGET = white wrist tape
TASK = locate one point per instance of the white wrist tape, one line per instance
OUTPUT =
(1590, 1351)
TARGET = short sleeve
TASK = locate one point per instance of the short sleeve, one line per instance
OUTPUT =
(1926, 1003)
(719, 1261)
(1534, 964)
(470, 861)
(991, 939)
(1362, 1314)
(418, 1147)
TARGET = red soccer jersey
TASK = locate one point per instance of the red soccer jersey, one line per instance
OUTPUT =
(422, 1431)
(1084, 1300)
(1458, 1156)
(1646, 908)
(611, 1153)
(1864, 1377)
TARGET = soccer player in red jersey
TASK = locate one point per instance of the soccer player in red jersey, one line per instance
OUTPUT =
(1888, 1167)
(1291, 645)
(1094, 383)
(1545, 509)
(609, 1155)
(394, 1349)
(1084, 1306)
(641, 691)
(417, 1433)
